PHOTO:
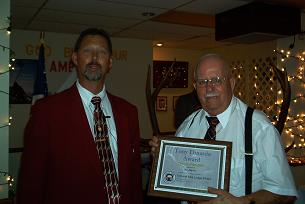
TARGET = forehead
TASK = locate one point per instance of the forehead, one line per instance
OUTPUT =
(211, 67)
(93, 39)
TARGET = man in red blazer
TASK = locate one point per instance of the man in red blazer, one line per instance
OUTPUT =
(60, 162)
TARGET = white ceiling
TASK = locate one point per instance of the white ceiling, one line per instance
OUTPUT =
(123, 18)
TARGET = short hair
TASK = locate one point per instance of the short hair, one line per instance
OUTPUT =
(93, 31)
(213, 56)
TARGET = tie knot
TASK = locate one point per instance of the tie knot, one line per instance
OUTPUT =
(96, 100)
(213, 121)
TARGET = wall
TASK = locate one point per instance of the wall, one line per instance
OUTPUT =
(4, 99)
(166, 118)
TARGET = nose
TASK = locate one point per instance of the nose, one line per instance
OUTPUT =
(94, 55)
(209, 86)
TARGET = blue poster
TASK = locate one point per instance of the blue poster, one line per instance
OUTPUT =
(22, 81)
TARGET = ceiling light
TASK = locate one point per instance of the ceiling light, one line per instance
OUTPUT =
(148, 14)
(159, 44)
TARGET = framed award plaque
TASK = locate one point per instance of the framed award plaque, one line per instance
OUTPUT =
(184, 168)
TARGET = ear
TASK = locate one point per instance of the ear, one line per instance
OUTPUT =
(110, 63)
(232, 84)
(194, 85)
(74, 58)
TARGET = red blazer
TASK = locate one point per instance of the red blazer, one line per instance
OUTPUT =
(60, 163)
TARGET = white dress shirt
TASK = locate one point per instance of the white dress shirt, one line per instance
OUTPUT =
(86, 97)
(270, 167)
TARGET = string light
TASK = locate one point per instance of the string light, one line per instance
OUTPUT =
(7, 29)
(295, 122)
(9, 180)
(11, 65)
(8, 123)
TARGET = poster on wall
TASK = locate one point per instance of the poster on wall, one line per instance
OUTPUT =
(22, 81)
(178, 76)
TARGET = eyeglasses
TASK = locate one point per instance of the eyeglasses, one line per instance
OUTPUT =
(215, 81)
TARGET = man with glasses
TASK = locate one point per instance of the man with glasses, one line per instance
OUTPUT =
(222, 117)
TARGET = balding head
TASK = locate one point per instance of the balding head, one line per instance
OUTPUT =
(226, 67)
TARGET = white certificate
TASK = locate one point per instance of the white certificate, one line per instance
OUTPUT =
(185, 168)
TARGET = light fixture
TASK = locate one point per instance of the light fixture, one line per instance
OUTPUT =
(159, 44)
(148, 14)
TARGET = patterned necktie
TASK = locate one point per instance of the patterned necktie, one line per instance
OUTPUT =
(211, 132)
(104, 152)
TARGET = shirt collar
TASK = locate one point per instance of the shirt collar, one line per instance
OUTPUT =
(224, 116)
(87, 95)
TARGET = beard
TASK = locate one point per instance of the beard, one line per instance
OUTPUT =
(93, 75)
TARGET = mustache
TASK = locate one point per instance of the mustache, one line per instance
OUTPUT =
(211, 94)
(94, 64)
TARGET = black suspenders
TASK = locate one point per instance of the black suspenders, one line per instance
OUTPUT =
(248, 150)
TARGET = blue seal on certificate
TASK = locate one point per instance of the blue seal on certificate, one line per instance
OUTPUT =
(168, 177)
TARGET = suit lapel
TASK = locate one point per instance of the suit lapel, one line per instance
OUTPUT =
(121, 118)
(83, 129)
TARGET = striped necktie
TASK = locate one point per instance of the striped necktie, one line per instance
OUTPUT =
(211, 132)
(104, 152)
